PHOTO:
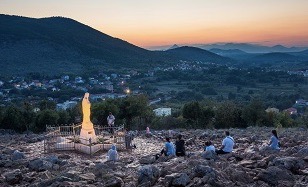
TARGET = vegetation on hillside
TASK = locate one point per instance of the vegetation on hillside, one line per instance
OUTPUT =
(135, 113)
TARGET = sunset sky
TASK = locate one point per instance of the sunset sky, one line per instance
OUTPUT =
(149, 23)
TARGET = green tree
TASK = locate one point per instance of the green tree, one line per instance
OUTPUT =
(100, 111)
(64, 117)
(228, 115)
(132, 107)
(46, 104)
(28, 115)
(75, 114)
(207, 117)
(13, 119)
(45, 117)
(283, 120)
(192, 112)
(254, 113)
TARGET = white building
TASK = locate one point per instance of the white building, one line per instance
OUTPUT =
(66, 105)
(162, 111)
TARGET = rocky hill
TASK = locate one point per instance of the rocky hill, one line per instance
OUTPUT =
(57, 44)
(22, 162)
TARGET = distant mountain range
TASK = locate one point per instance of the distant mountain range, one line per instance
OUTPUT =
(60, 45)
(252, 48)
(245, 47)
(197, 54)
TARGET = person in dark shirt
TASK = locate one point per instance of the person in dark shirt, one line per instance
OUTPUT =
(180, 146)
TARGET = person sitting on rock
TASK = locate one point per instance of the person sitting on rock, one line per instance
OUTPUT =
(209, 146)
(274, 141)
(227, 144)
(209, 151)
(112, 154)
(180, 146)
(168, 149)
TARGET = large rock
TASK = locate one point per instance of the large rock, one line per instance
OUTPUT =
(114, 182)
(201, 171)
(13, 177)
(72, 174)
(3, 157)
(266, 150)
(238, 174)
(209, 155)
(52, 159)
(87, 176)
(99, 168)
(39, 165)
(303, 152)
(8, 151)
(275, 175)
(177, 179)
(147, 159)
(18, 155)
(148, 174)
(293, 164)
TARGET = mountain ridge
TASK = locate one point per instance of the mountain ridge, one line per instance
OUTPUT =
(198, 54)
(57, 42)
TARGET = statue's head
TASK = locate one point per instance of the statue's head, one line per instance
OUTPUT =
(86, 95)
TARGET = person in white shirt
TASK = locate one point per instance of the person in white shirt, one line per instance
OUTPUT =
(227, 144)
(110, 121)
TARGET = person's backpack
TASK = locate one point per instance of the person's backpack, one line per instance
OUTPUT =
(279, 144)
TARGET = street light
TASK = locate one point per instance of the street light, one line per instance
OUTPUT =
(127, 91)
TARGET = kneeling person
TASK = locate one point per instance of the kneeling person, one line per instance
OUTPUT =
(112, 154)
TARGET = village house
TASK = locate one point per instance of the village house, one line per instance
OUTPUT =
(162, 111)
(291, 111)
(273, 110)
(66, 105)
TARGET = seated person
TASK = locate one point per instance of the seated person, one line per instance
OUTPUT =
(209, 146)
(169, 148)
(209, 151)
(227, 144)
(180, 146)
(274, 141)
(112, 154)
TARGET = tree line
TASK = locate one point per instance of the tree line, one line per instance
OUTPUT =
(135, 113)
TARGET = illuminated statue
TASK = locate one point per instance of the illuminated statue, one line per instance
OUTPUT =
(87, 133)
(86, 105)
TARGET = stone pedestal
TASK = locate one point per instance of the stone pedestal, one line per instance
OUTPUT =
(85, 135)
(87, 132)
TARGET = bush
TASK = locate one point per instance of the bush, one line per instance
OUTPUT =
(45, 117)
(168, 122)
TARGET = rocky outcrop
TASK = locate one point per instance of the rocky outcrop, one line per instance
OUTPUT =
(13, 177)
(250, 164)
(148, 175)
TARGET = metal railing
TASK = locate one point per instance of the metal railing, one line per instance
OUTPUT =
(67, 137)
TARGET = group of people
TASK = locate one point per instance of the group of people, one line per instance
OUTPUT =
(178, 149)
(209, 150)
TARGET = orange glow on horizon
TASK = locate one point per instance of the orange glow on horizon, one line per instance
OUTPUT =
(167, 22)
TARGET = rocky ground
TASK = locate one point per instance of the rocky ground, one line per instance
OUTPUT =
(23, 163)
